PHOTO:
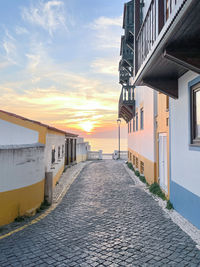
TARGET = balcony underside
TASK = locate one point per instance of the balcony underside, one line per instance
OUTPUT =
(176, 51)
(126, 112)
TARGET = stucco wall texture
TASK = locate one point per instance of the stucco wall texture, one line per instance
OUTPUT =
(21, 181)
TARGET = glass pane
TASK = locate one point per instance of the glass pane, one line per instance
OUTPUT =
(198, 114)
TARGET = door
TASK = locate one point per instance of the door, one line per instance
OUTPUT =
(163, 162)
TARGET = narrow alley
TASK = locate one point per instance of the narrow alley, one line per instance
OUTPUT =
(103, 220)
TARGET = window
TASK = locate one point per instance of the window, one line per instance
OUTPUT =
(195, 114)
(167, 103)
(130, 156)
(59, 152)
(63, 150)
(134, 160)
(141, 167)
(53, 154)
(136, 127)
(141, 118)
(136, 163)
(130, 127)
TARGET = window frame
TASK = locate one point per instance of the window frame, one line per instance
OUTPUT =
(136, 118)
(142, 118)
(193, 90)
(59, 155)
(53, 155)
(134, 124)
(63, 149)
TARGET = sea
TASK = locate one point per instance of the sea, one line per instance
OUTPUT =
(108, 145)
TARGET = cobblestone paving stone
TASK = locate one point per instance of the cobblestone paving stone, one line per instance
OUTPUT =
(103, 220)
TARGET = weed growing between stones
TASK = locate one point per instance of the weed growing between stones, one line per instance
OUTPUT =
(44, 205)
(154, 188)
(20, 218)
(137, 173)
(129, 164)
(169, 205)
(143, 179)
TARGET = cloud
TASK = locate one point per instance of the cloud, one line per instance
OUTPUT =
(10, 49)
(4, 64)
(61, 108)
(21, 30)
(48, 91)
(107, 32)
(105, 22)
(105, 66)
(48, 15)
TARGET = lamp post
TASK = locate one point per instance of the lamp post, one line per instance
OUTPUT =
(118, 123)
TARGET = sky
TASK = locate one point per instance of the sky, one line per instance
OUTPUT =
(59, 63)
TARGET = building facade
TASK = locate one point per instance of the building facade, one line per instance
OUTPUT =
(162, 143)
(137, 105)
(167, 59)
(141, 133)
(28, 151)
(82, 149)
(185, 149)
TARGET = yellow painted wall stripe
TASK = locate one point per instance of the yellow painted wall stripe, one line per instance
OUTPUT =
(20, 201)
(42, 216)
(149, 166)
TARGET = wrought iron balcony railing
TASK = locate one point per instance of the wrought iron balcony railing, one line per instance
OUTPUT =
(159, 15)
(126, 53)
(123, 76)
(128, 18)
(128, 23)
(127, 103)
(167, 44)
(128, 95)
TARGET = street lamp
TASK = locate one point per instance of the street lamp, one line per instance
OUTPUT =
(118, 123)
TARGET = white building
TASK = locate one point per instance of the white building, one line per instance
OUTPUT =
(28, 150)
(167, 59)
(141, 133)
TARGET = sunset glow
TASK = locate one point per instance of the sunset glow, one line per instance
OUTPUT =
(50, 73)
(87, 126)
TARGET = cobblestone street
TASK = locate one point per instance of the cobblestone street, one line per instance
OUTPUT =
(103, 220)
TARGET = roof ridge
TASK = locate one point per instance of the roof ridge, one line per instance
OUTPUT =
(36, 122)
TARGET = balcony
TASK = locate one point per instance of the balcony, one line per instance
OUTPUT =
(127, 103)
(128, 24)
(127, 55)
(167, 44)
(124, 75)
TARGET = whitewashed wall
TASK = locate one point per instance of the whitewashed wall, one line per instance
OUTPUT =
(185, 167)
(56, 140)
(13, 134)
(142, 141)
(82, 149)
(21, 166)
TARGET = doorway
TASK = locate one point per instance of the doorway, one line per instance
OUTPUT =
(163, 177)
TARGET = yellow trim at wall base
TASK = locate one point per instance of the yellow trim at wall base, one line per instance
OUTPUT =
(149, 166)
(57, 176)
(20, 201)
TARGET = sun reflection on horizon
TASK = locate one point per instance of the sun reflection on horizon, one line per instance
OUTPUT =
(87, 126)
